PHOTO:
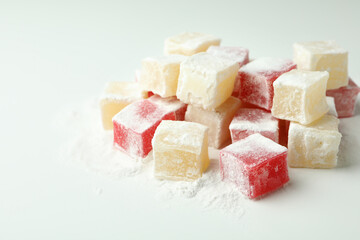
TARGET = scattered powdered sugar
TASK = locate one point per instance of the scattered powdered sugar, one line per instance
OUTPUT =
(209, 190)
(92, 148)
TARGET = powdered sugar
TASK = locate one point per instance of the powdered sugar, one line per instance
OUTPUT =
(210, 191)
(255, 143)
(143, 114)
(320, 47)
(207, 63)
(236, 54)
(170, 104)
(140, 115)
(267, 64)
(187, 135)
(206, 80)
(93, 149)
(254, 120)
(301, 78)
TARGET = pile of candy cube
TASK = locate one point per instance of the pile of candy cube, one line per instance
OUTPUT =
(264, 114)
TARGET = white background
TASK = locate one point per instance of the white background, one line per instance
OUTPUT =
(55, 54)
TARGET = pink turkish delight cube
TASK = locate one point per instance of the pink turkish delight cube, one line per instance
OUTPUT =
(345, 99)
(236, 90)
(135, 125)
(170, 104)
(248, 121)
(256, 164)
(257, 77)
(283, 132)
(237, 54)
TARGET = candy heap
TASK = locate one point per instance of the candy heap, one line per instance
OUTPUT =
(264, 115)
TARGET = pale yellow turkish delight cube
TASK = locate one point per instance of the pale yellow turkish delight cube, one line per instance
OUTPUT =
(218, 120)
(180, 150)
(323, 56)
(160, 74)
(315, 145)
(300, 96)
(115, 97)
(189, 43)
(206, 81)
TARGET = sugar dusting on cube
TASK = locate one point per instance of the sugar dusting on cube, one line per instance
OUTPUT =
(255, 164)
(180, 150)
(206, 81)
(345, 99)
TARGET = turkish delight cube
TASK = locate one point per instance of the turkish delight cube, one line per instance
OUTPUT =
(189, 43)
(137, 79)
(180, 150)
(257, 77)
(160, 74)
(248, 121)
(115, 97)
(135, 125)
(345, 99)
(299, 96)
(256, 164)
(283, 132)
(170, 104)
(323, 56)
(217, 121)
(206, 81)
(315, 145)
(236, 54)
(236, 90)
(332, 109)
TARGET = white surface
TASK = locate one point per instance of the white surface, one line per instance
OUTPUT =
(55, 55)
